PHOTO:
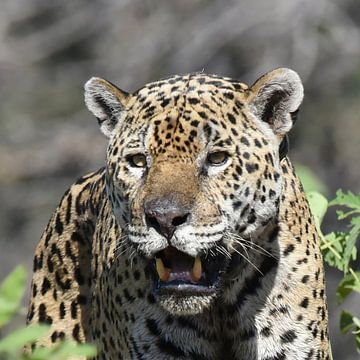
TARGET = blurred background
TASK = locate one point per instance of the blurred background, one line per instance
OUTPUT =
(48, 49)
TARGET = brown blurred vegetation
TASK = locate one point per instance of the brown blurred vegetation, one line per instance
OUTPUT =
(48, 49)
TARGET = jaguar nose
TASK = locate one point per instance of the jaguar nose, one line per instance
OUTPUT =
(165, 215)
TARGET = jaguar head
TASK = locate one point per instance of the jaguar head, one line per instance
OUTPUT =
(193, 170)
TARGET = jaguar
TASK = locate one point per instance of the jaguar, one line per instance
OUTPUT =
(195, 241)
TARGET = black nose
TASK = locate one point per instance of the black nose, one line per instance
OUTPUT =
(164, 215)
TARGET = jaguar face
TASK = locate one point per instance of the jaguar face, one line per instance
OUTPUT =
(192, 170)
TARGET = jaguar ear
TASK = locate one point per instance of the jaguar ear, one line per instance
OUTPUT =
(106, 102)
(276, 97)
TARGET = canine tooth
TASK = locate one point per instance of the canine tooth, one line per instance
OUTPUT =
(196, 270)
(164, 273)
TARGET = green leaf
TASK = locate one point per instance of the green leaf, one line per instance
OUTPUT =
(356, 322)
(318, 205)
(15, 342)
(349, 322)
(346, 322)
(350, 244)
(41, 353)
(346, 199)
(348, 247)
(70, 348)
(354, 253)
(62, 351)
(332, 246)
(310, 181)
(11, 293)
(339, 249)
(348, 284)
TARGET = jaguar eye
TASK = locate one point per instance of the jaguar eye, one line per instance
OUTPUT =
(217, 158)
(137, 160)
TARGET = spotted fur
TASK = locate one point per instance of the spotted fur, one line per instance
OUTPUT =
(92, 280)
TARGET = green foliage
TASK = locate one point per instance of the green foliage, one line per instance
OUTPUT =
(11, 292)
(339, 249)
(62, 351)
(349, 283)
(310, 181)
(318, 204)
(348, 322)
(351, 203)
(11, 346)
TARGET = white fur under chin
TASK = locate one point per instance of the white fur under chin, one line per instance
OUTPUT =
(185, 305)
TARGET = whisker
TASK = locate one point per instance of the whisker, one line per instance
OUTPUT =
(223, 251)
(122, 252)
(250, 244)
(248, 260)
(258, 250)
(244, 247)
(131, 257)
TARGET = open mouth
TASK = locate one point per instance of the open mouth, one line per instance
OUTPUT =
(177, 272)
